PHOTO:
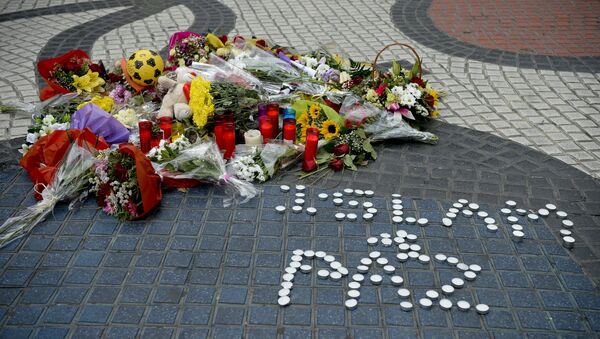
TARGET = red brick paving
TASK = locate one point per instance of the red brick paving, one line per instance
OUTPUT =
(547, 27)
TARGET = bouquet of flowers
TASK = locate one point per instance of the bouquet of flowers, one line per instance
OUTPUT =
(185, 48)
(69, 181)
(313, 115)
(70, 72)
(125, 183)
(204, 162)
(336, 71)
(260, 163)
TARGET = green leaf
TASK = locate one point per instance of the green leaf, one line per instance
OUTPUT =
(396, 68)
(369, 149)
(301, 106)
(349, 162)
(415, 69)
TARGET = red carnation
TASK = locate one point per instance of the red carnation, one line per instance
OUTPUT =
(223, 39)
(120, 172)
(381, 89)
(341, 149)
(348, 124)
(336, 164)
(418, 81)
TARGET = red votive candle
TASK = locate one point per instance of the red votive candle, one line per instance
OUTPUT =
(165, 124)
(156, 138)
(289, 130)
(229, 139)
(273, 113)
(310, 148)
(218, 131)
(266, 128)
(145, 135)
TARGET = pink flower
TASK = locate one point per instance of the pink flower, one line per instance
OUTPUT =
(393, 107)
(132, 208)
(108, 208)
(381, 89)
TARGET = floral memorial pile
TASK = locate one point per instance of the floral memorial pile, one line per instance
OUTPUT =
(219, 110)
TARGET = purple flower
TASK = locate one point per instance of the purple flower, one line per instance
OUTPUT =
(120, 95)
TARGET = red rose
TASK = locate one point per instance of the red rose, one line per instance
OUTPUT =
(348, 124)
(418, 81)
(381, 89)
(103, 191)
(120, 172)
(309, 165)
(223, 39)
(99, 67)
(261, 43)
(336, 164)
(341, 149)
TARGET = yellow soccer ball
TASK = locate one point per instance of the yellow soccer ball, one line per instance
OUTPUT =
(144, 67)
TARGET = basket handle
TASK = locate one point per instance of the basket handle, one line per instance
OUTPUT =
(374, 72)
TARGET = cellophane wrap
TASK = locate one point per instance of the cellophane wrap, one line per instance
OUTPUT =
(262, 162)
(71, 179)
(205, 162)
(381, 124)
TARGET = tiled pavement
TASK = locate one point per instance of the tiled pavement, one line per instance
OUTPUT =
(194, 269)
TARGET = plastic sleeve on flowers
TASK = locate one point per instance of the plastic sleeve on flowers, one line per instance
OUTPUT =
(381, 124)
(71, 178)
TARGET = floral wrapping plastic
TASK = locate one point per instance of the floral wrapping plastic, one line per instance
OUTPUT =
(262, 162)
(205, 162)
(47, 66)
(381, 124)
(43, 159)
(100, 122)
(71, 178)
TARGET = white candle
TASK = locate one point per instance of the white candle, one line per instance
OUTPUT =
(253, 137)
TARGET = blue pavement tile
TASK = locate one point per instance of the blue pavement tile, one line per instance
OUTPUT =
(498, 246)
(264, 315)
(243, 244)
(491, 297)
(528, 247)
(83, 214)
(169, 295)
(176, 276)
(32, 295)
(200, 295)
(587, 300)
(47, 228)
(545, 281)
(57, 259)
(196, 315)
(233, 295)
(500, 318)
(397, 317)
(514, 279)
(15, 332)
(142, 276)
(88, 332)
(556, 299)
(193, 333)
(431, 317)
(271, 228)
(535, 263)
(132, 228)
(268, 244)
(330, 296)
(118, 259)
(96, 243)
(25, 315)
(243, 229)
(104, 227)
(271, 259)
(523, 298)
(577, 282)
(329, 245)
(236, 276)
(298, 315)
(464, 231)
(25, 260)
(215, 228)
(566, 264)
(149, 259)
(36, 243)
(404, 333)
(333, 333)
(261, 333)
(593, 319)
(534, 319)
(59, 314)
(75, 227)
(267, 277)
(222, 332)
(421, 278)
(89, 258)
(128, 314)
(204, 276)
(125, 243)
(466, 319)
(297, 242)
(162, 314)
(367, 333)
(553, 248)
(213, 243)
(178, 259)
(227, 315)
(266, 295)
(567, 321)
(301, 296)
(46, 278)
(95, 314)
(486, 279)
(436, 333)
(296, 229)
(157, 332)
(472, 334)
(442, 246)
(183, 243)
(135, 294)
(155, 243)
(469, 246)
(187, 228)
(365, 316)
(8, 295)
(71, 295)
(329, 315)
(122, 332)
(218, 215)
(195, 202)
(104, 295)
(248, 215)
(53, 333)
(80, 276)
(166, 214)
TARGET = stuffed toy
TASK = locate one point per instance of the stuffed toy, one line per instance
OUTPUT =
(175, 102)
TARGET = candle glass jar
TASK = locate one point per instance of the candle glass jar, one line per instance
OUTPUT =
(273, 113)
(266, 128)
(165, 124)
(145, 127)
(229, 139)
(289, 130)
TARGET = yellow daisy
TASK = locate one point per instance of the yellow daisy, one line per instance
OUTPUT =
(315, 111)
(330, 129)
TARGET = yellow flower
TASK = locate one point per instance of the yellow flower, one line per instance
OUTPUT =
(330, 129)
(200, 103)
(435, 114)
(303, 119)
(315, 111)
(90, 82)
(434, 94)
(372, 95)
(106, 103)
(214, 41)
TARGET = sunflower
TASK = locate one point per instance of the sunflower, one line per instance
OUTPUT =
(433, 97)
(303, 119)
(315, 111)
(330, 129)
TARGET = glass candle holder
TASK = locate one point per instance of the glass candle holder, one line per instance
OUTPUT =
(310, 149)
(273, 113)
(145, 135)
(262, 109)
(229, 139)
(289, 130)
(218, 131)
(266, 128)
(165, 124)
